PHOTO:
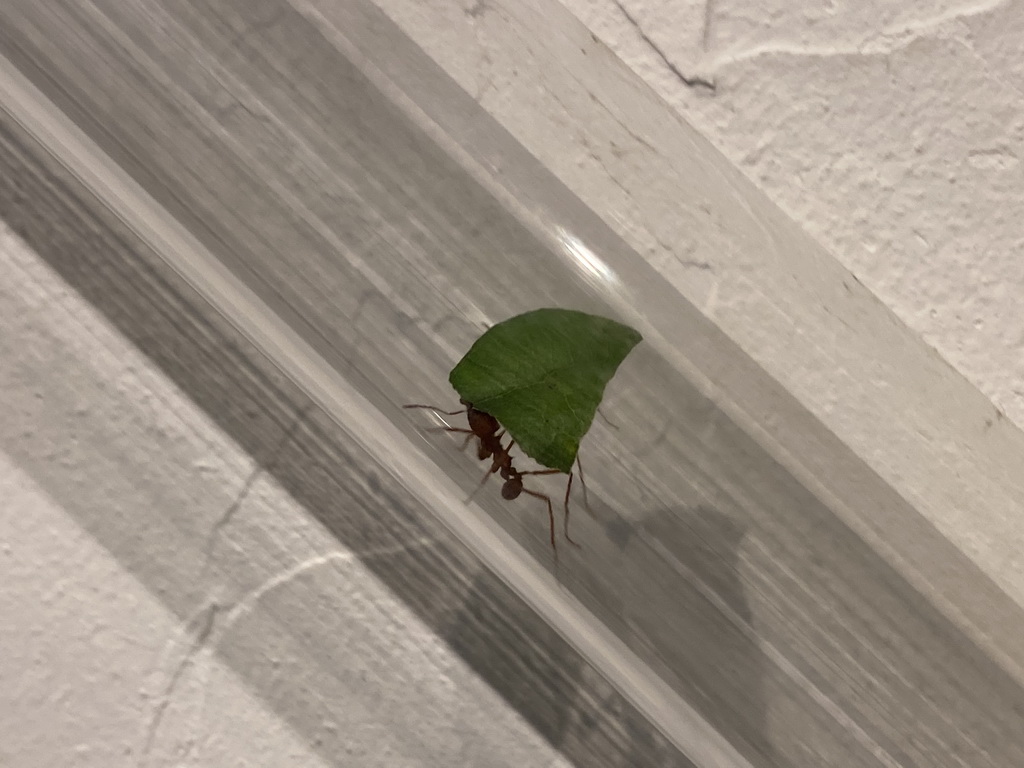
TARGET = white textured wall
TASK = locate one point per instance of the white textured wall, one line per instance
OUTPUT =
(119, 499)
(892, 132)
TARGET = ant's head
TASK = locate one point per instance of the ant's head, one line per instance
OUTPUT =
(512, 488)
(480, 422)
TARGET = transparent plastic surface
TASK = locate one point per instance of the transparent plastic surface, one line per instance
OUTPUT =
(366, 245)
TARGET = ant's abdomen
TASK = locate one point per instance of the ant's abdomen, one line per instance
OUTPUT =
(511, 490)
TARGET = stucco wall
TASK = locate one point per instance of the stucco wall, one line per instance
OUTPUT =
(892, 132)
(148, 569)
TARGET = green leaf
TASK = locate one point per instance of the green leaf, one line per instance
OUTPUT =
(542, 375)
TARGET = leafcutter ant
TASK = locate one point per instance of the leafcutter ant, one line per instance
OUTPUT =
(489, 434)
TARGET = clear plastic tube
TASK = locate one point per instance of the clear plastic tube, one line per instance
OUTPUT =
(377, 239)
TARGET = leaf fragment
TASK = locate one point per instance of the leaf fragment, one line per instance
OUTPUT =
(542, 375)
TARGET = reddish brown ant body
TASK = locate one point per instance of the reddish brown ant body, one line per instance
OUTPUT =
(488, 432)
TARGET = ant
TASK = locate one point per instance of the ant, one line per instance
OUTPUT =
(489, 433)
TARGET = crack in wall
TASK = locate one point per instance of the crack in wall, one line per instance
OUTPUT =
(477, 9)
(986, 65)
(689, 81)
(248, 601)
(207, 631)
(225, 519)
(232, 509)
(703, 266)
(881, 43)
(593, 97)
(706, 33)
(206, 620)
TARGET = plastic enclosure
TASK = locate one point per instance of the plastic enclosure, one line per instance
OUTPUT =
(361, 245)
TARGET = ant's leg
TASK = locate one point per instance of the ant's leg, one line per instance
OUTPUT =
(467, 432)
(606, 419)
(435, 409)
(448, 429)
(586, 501)
(483, 480)
(445, 429)
(568, 487)
(551, 515)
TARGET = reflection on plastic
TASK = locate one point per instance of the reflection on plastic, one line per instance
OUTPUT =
(586, 258)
